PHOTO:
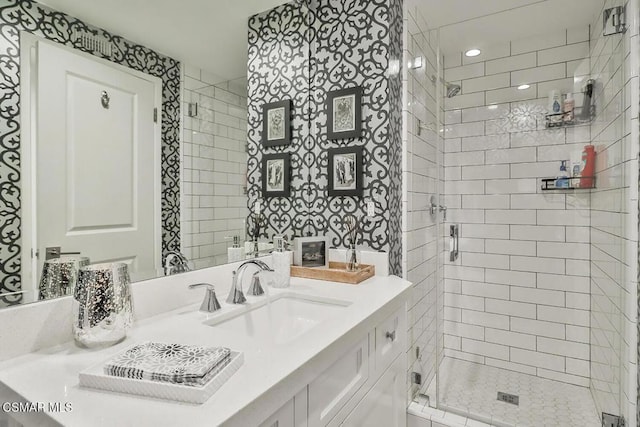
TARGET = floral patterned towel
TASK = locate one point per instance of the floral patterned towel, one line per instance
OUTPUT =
(172, 363)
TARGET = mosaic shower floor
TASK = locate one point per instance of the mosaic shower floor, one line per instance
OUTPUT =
(471, 389)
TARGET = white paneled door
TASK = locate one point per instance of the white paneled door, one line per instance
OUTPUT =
(97, 160)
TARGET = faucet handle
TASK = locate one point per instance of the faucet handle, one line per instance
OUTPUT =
(210, 302)
(236, 296)
(256, 285)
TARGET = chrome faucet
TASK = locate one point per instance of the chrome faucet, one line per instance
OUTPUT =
(236, 296)
(180, 267)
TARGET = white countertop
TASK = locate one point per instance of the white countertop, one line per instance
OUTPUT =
(51, 375)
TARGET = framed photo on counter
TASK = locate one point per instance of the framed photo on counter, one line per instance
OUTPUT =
(311, 251)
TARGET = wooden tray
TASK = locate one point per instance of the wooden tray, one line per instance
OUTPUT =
(337, 272)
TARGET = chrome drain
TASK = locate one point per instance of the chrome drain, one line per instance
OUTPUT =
(509, 398)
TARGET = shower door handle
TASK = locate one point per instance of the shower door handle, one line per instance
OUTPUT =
(453, 242)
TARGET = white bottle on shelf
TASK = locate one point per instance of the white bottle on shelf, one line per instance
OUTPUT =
(555, 102)
(282, 260)
(568, 108)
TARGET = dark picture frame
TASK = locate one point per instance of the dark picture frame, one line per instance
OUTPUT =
(276, 123)
(345, 171)
(344, 113)
(276, 175)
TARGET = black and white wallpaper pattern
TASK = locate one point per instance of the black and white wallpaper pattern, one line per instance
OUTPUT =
(278, 70)
(29, 16)
(395, 134)
(350, 44)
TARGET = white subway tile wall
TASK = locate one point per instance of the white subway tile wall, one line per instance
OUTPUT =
(613, 239)
(421, 179)
(214, 166)
(514, 299)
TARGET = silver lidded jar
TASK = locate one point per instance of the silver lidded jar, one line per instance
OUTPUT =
(102, 306)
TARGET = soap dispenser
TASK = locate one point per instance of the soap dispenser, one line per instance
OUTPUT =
(235, 253)
(282, 260)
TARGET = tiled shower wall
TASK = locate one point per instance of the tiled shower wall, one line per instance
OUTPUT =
(518, 296)
(614, 213)
(214, 166)
(421, 179)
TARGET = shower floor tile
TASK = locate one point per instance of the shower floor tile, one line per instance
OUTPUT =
(471, 389)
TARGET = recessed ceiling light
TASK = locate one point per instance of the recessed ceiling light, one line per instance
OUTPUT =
(524, 87)
(492, 107)
(472, 52)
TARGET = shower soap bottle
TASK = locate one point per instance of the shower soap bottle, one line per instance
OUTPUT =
(555, 102)
(563, 178)
(282, 260)
(568, 108)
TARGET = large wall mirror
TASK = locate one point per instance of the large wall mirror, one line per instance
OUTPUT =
(130, 134)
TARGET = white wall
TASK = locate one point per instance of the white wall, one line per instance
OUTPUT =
(421, 179)
(214, 165)
(518, 296)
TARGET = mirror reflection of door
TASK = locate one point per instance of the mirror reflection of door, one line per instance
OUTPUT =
(96, 156)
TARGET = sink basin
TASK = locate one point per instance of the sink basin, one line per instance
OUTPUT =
(279, 319)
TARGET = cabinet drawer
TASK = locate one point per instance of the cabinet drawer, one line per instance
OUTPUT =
(335, 386)
(390, 338)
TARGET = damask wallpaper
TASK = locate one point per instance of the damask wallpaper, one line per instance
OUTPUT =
(29, 16)
(278, 69)
(349, 44)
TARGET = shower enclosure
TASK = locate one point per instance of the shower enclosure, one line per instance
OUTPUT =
(534, 322)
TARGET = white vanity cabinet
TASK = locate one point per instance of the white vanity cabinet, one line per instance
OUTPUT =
(283, 417)
(385, 404)
(291, 414)
(338, 384)
(365, 386)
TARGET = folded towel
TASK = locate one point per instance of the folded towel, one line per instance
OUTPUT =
(172, 363)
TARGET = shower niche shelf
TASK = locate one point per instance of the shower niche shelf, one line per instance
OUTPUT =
(554, 121)
(549, 184)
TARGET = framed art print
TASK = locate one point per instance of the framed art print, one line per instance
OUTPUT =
(345, 171)
(276, 123)
(276, 173)
(344, 109)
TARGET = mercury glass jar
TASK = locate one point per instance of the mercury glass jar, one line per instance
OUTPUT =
(102, 306)
(59, 276)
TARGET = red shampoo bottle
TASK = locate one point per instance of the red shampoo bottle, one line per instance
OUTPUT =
(588, 166)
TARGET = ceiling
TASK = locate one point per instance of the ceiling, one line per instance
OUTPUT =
(477, 23)
(209, 34)
(212, 35)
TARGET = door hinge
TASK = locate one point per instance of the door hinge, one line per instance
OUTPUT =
(155, 115)
(614, 21)
(416, 378)
(609, 420)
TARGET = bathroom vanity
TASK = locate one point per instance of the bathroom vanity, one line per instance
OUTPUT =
(316, 354)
